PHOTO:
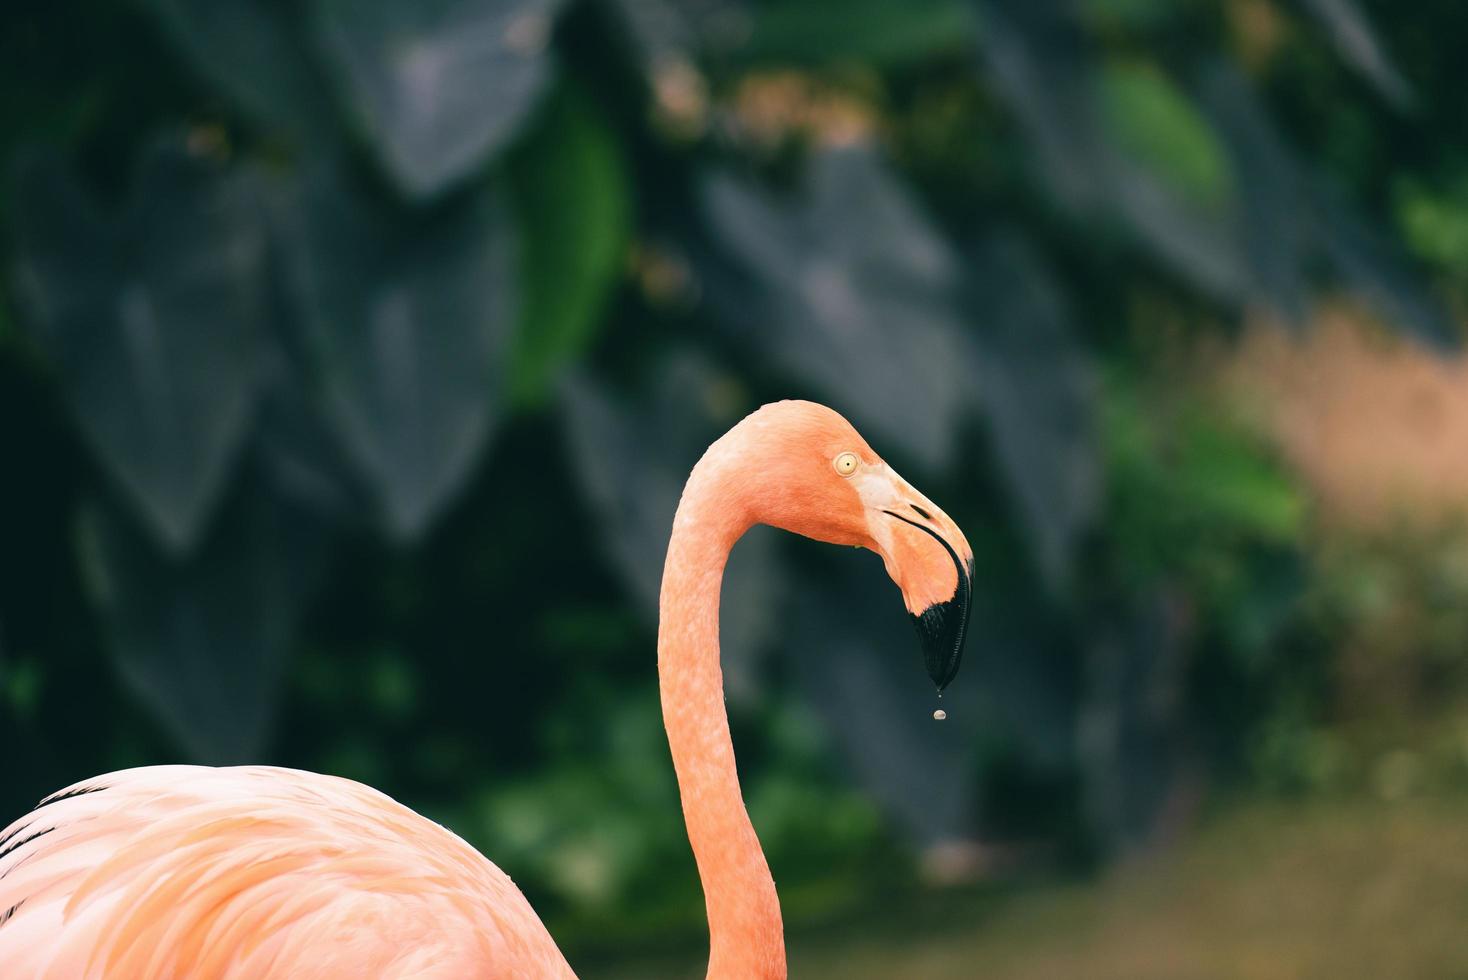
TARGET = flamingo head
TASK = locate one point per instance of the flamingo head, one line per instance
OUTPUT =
(819, 478)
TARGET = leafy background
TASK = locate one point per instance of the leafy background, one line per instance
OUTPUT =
(352, 356)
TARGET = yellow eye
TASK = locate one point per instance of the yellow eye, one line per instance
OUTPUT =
(846, 463)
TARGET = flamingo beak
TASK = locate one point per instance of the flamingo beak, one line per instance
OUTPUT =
(942, 625)
(929, 559)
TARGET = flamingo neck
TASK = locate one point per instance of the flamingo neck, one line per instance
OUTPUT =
(746, 935)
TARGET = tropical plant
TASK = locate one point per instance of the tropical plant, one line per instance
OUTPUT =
(445, 297)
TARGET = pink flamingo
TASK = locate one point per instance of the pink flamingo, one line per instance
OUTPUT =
(192, 872)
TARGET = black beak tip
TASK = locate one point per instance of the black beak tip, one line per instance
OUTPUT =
(942, 628)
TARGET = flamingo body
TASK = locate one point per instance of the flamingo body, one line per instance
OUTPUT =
(189, 873)
(246, 873)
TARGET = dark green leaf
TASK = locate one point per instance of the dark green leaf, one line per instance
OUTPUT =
(154, 319)
(1036, 385)
(438, 85)
(1132, 15)
(203, 641)
(1293, 218)
(256, 52)
(1351, 32)
(1131, 719)
(1048, 77)
(850, 289)
(684, 29)
(408, 319)
(1274, 229)
(300, 452)
(573, 200)
(1375, 267)
(870, 31)
(1151, 120)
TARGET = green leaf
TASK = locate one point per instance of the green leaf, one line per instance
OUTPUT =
(408, 318)
(21, 685)
(869, 31)
(253, 50)
(438, 85)
(1036, 385)
(1435, 224)
(1134, 15)
(1359, 45)
(1233, 485)
(573, 198)
(1156, 124)
(815, 281)
(203, 641)
(154, 320)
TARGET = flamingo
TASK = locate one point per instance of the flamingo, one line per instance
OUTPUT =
(174, 872)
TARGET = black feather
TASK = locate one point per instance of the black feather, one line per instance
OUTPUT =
(6, 839)
(68, 794)
(23, 842)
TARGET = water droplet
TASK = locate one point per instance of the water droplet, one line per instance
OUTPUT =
(939, 715)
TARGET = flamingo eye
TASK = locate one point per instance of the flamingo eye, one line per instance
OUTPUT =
(846, 463)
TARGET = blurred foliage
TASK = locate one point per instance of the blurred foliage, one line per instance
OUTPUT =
(1386, 718)
(1270, 883)
(352, 357)
(1157, 124)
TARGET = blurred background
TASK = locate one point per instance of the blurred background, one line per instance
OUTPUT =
(353, 354)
